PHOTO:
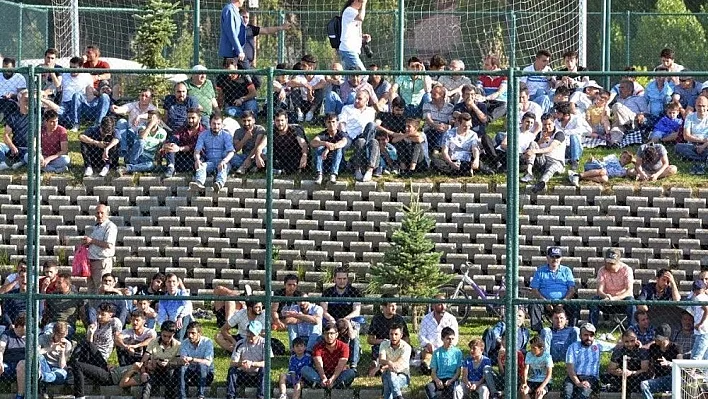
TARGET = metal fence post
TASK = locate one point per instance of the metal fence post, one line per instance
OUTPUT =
(20, 38)
(400, 49)
(606, 36)
(512, 210)
(196, 26)
(627, 30)
(33, 226)
(281, 38)
(269, 229)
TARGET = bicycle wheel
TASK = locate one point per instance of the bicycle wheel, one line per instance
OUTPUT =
(459, 310)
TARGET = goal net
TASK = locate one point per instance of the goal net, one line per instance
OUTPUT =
(689, 379)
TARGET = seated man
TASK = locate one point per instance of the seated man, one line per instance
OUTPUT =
(14, 145)
(695, 132)
(248, 362)
(494, 337)
(197, 359)
(574, 128)
(429, 332)
(94, 61)
(245, 140)
(548, 154)
(241, 319)
(380, 327)
(290, 148)
(688, 91)
(308, 321)
(55, 145)
(637, 364)
(329, 149)
(178, 149)
(658, 93)
(201, 88)
(582, 362)
(357, 120)
(628, 107)
(142, 145)
(172, 305)
(663, 289)
(160, 360)
(394, 359)
(329, 357)
(100, 339)
(54, 352)
(478, 110)
(643, 329)
(136, 111)
(437, 117)
(99, 148)
(108, 288)
(176, 106)
(132, 343)
(540, 87)
(236, 92)
(58, 309)
(51, 82)
(217, 145)
(494, 87)
(460, 155)
(78, 89)
(453, 83)
(560, 336)
(615, 283)
(445, 368)
(661, 354)
(413, 89)
(411, 149)
(11, 83)
(652, 163)
(552, 281)
(334, 102)
(12, 351)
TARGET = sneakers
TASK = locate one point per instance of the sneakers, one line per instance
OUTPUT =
(527, 178)
(309, 116)
(539, 187)
(283, 396)
(4, 166)
(357, 175)
(170, 171)
(121, 170)
(195, 186)
(217, 186)
(74, 129)
(574, 178)
(18, 165)
(104, 171)
(367, 176)
(300, 115)
(87, 173)
(332, 178)
(240, 171)
(573, 165)
(698, 169)
(318, 180)
(248, 290)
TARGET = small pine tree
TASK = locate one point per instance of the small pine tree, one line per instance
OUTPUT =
(411, 263)
(156, 29)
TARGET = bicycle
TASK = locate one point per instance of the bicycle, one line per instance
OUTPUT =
(461, 311)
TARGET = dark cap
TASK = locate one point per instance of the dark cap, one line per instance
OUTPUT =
(613, 255)
(699, 285)
(554, 252)
(663, 332)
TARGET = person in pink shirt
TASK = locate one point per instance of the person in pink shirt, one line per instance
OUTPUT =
(55, 145)
(615, 282)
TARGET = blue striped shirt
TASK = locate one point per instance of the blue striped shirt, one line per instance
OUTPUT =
(585, 359)
(215, 147)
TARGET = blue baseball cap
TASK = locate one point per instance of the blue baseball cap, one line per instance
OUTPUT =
(554, 252)
(699, 285)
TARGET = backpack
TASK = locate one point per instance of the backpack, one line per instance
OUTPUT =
(334, 31)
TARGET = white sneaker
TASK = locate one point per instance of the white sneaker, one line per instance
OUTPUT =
(318, 180)
(18, 165)
(357, 175)
(283, 396)
(367, 176)
(4, 166)
(104, 171)
(332, 178)
(88, 172)
(300, 116)
(309, 116)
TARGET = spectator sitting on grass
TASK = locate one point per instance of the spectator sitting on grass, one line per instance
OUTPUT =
(410, 147)
(473, 374)
(55, 145)
(652, 163)
(667, 128)
(548, 153)
(460, 149)
(143, 145)
(329, 151)
(695, 132)
(99, 148)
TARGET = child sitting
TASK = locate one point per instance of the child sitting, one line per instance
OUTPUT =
(667, 129)
(292, 378)
(537, 370)
(600, 171)
(598, 116)
(473, 370)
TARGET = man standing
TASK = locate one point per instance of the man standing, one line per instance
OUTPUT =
(330, 357)
(233, 32)
(251, 32)
(430, 328)
(197, 359)
(351, 37)
(394, 358)
(101, 247)
(248, 362)
(583, 366)
(552, 281)
(218, 147)
(615, 283)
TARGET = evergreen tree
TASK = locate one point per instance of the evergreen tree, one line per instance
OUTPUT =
(411, 263)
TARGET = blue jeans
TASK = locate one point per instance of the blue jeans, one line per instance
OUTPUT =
(344, 380)
(351, 60)
(198, 375)
(237, 111)
(333, 103)
(94, 110)
(595, 310)
(55, 166)
(208, 167)
(700, 347)
(570, 391)
(660, 384)
(333, 160)
(137, 160)
(575, 149)
(416, 110)
(238, 377)
(393, 383)
(354, 352)
(688, 151)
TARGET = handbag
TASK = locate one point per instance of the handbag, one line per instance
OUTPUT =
(81, 266)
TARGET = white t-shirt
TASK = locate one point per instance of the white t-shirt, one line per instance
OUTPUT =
(12, 85)
(698, 315)
(351, 31)
(536, 82)
(356, 120)
(71, 85)
(135, 116)
(525, 140)
(130, 337)
(534, 109)
(459, 147)
(581, 100)
(698, 127)
(240, 320)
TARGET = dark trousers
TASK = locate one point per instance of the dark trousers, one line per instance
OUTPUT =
(161, 376)
(432, 391)
(87, 352)
(93, 156)
(238, 377)
(537, 311)
(615, 381)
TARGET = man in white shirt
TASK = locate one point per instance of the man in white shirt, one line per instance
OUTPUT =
(10, 85)
(352, 39)
(695, 132)
(540, 86)
(430, 328)
(358, 121)
(575, 127)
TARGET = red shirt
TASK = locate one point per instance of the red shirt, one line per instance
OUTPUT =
(331, 358)
(491, 83)
(51, 142)
(100, 64)
(184, 138)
